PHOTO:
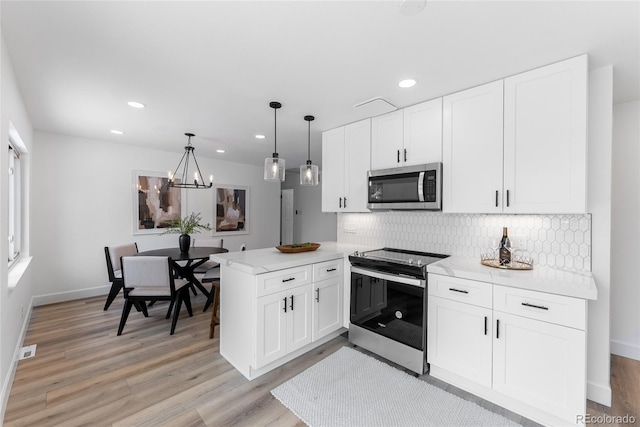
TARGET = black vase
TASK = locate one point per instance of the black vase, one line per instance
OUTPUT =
(184, 241)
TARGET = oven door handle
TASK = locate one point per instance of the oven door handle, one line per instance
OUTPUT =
(390, 276)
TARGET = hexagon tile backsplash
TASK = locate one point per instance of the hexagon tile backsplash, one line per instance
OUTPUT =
(559, 241)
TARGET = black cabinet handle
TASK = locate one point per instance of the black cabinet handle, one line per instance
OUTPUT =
(331, 269)
(345, 202)
(285, 304)
(485, 324)
(507, 198)
(497, 328)
(541, 307)
(405, 154)
(359, 282)
(496, 198)
(317, 294)
(398, 156)
(288, 280)
(291, 306)
(340, 202)
(459, 290)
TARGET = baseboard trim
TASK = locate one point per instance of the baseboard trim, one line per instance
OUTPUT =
(6, 386)
(599, 393)
(625, 349)
(70, 295)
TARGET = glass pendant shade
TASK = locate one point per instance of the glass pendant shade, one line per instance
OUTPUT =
(274, 166)
(309, 174)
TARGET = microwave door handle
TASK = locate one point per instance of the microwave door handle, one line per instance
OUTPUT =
(421, 187)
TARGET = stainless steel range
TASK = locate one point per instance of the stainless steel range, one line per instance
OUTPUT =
(389, 304)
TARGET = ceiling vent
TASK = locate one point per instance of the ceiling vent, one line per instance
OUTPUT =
(374, 107)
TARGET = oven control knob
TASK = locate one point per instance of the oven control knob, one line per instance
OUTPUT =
(356, 253)
(419, 262)
(410, 261)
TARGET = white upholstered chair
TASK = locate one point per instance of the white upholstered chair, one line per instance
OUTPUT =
(150, 278)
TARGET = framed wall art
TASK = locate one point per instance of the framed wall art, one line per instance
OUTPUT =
(154, 202)
(231, 209)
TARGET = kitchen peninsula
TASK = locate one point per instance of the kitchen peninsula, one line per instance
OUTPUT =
(276, 306)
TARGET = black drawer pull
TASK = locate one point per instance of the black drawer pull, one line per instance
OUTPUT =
(541, 307)
(331, 269)
(459, 290)
(288, 280)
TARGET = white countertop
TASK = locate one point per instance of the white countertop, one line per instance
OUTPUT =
(543, 279)
(259, 261)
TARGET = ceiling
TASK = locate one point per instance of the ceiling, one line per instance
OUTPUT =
(212, 67)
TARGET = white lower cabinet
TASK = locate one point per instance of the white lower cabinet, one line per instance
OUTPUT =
(524, 350)
(283, 322)
(327, 307)
(274, 317)
(459, 339)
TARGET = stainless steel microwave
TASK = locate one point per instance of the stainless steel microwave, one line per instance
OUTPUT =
(409, 187)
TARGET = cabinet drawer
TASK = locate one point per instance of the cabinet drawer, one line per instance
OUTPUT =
(328, 269)
(463, 290)
(281, 280)
(558, 309)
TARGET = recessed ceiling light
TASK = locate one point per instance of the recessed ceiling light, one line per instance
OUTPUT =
(116, 132)
(407, 83)
(219, 151)
(259, 136)
(136, 104)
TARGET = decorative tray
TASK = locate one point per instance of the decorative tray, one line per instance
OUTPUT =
(517, 262)
(298, 247)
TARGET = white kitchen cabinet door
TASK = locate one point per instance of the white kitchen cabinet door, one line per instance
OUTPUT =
(423, 133)
(541, 364)
(357, 162)
(472, 150)
(387, 140)
(271, 329)
(545, 140)
(333, 171)
(298, 317)
(460, 339)
(327, 307)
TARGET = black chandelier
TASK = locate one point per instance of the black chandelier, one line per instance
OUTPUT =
(183, 176)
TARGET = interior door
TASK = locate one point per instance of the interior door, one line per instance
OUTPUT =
(286, 217)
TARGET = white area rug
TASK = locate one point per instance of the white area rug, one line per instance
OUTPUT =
(352, 389)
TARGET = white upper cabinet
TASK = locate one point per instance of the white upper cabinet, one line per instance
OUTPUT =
(521, 151)
(386, 140)
(346, 160)
(406, 137)
(472, 150)
(423, 133)
(545, 139)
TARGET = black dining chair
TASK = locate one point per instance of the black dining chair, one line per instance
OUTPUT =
(114, 270)
(151, 278)
(213, 276)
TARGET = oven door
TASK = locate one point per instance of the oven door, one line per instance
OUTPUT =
(389, 305)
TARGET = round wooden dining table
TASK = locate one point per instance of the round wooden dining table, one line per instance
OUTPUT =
(194, 258)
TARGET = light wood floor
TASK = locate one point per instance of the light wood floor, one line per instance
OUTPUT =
(83, 374)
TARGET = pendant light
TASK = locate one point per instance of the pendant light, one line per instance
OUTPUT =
(309, 172)
(274, 166)
(183, 175)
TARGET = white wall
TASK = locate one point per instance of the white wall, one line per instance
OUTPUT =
(310, 224)
(85, 199)
(625, 218)
(15, 302)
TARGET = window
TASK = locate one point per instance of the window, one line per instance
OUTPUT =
(14, 203)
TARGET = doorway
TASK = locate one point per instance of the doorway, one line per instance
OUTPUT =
(286, 217)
